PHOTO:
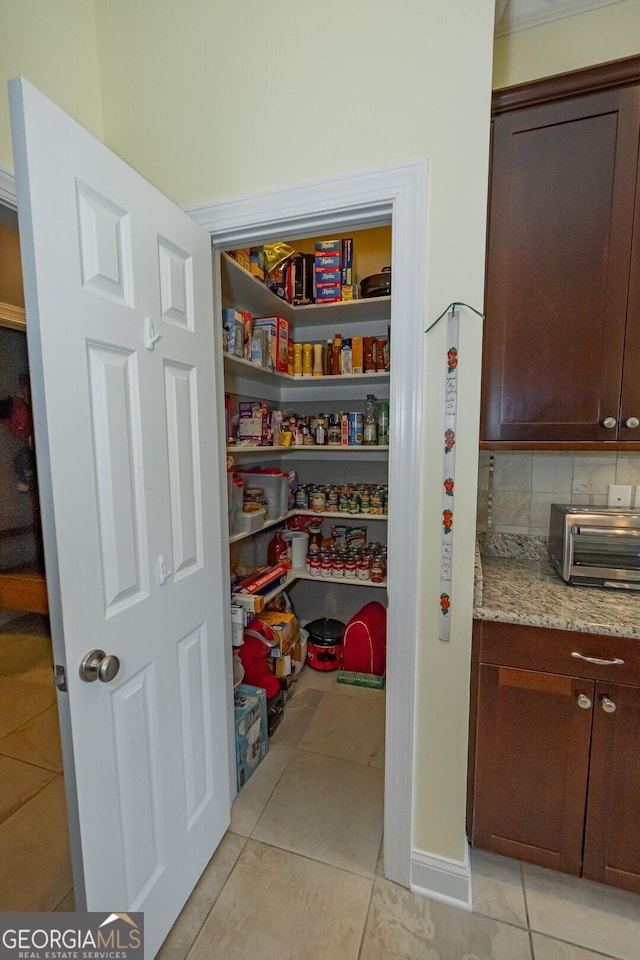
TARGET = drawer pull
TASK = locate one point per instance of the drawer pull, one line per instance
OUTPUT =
(598, 660)
(608, 705)
(584, 701)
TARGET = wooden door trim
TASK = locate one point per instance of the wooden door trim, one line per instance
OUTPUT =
(602, 76)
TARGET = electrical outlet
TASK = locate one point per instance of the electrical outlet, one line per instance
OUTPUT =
(619, 496)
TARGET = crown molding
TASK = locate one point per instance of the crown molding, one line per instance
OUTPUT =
(520, 15)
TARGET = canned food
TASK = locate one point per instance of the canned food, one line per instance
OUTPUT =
(313, 563)
(377, 570)
(318, 501)
(325, 566)
(338, 567)
(350, 567)
(364, 567)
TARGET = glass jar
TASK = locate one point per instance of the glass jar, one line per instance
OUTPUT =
(315, 538)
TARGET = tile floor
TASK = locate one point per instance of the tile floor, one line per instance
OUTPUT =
(299, 873)
(35, 865)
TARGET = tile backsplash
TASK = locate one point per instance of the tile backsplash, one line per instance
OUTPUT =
(516, 488)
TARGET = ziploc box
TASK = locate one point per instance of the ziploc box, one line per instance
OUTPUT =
(278, 328)
(252, 734)
(328, 293)
(327, 262)
(328, 247)
(328, 276)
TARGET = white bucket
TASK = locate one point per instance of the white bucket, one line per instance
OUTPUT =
(297, 542)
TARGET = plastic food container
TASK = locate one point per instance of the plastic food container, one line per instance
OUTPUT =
(276, 490)
(250, 522)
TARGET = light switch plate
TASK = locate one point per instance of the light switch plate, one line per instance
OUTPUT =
(619, 496)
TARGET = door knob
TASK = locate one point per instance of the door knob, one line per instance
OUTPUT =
(608, 705)
(633, 422)
(584, 701)
(609, 422)
(97, 665)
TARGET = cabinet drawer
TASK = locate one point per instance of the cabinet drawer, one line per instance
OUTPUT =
(540, 648)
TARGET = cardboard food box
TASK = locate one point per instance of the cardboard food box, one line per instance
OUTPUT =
(242, 256)
(283, 623)
(233, 332)
(251, 727)
(328, 247)
(278, 333)
(257, 262)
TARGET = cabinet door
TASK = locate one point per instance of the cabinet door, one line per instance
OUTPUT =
(630, 403)
(531, 764)
(612, 838)
(560, 224)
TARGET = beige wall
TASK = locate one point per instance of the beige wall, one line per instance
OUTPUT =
(212, 100)
(53, 44)
(606, 34)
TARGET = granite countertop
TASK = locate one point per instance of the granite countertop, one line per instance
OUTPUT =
(529, 591)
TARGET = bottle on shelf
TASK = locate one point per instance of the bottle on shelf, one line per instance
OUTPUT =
(277, 550)
(347, 365)
(307, 359)
(370, 424)
(337, 354)
(328, 358)
(383, 422)
(297, 359)
(317, 360)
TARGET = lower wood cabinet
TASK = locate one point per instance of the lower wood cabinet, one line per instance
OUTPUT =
(555, 757)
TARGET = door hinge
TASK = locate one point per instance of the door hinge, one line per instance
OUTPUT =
(60, 678)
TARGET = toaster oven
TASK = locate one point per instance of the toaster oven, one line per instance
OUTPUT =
(596, 546)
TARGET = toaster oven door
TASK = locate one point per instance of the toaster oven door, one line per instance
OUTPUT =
(611, 553)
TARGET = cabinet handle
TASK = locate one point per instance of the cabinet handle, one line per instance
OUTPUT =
(584, 701)
(608, 705)
(609, 422)
(633, 422)
(598, 660)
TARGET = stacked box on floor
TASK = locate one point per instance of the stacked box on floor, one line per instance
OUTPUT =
(252, 737)
(328, 271)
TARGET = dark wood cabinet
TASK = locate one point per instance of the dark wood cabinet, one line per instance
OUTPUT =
(562, 330)
(612, 837)
(555, 777)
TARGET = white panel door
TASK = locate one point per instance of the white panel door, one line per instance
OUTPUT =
(120, 332)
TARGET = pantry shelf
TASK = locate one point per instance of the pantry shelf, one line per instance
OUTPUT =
(342, 515)
(243, 535)
(246, 291)
(347, 582)
(312, 450)
(339, 515)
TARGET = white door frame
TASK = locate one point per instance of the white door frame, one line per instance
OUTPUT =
(396, 195)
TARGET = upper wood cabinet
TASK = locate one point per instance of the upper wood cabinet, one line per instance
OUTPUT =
(562, 334)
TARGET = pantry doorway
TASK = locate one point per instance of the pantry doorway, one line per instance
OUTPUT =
(396, 196)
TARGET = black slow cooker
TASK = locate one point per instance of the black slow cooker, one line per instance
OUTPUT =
(377, 285)
(324, 646)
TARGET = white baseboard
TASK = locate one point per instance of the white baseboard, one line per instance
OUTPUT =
(439, 878)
